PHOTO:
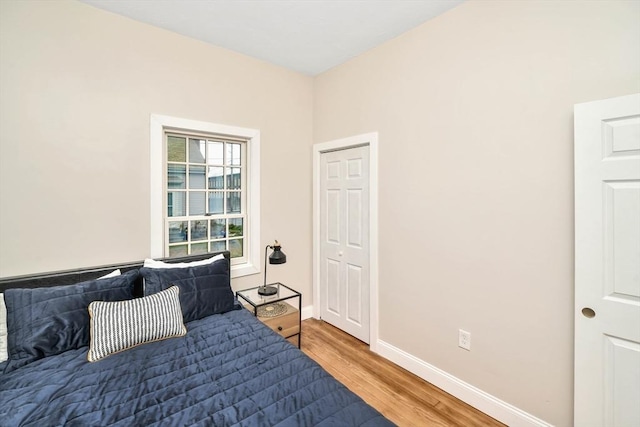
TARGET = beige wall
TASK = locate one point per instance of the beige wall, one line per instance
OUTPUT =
(475, 118)
(77, 87)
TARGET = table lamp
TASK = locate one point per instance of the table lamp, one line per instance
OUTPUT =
(276, 257)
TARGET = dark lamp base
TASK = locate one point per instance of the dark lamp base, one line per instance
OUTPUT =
(267, 290)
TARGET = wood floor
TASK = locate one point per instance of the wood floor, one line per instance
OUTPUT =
(402, 397)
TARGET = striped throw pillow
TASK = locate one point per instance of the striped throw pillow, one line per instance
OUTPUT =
(120, 325)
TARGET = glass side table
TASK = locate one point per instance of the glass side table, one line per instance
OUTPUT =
(276, 311)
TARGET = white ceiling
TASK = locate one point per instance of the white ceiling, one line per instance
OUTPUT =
(309, 36)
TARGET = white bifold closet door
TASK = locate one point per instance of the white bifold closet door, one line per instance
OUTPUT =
(344, 240)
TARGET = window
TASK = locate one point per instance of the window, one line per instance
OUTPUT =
(205, 191)
(206, 188)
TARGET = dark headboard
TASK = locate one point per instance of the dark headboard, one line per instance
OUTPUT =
(69, 277)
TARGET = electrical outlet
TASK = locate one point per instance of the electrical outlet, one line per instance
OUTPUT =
(464, 339)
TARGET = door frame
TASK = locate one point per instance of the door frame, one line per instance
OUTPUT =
(370, 140)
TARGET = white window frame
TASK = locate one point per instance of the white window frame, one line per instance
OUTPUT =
(158, 125)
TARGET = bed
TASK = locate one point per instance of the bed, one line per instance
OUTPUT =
(213, 363)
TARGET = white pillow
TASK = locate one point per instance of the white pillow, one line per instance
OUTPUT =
(3, 330)
(114, 273)
(152, 263)
(3, 320)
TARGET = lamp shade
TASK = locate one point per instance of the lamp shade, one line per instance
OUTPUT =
(277, 256)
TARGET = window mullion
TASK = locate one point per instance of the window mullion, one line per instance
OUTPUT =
(224, 193)
(188, 197)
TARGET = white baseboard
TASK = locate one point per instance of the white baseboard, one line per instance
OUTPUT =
(490, 405)
(307, 312)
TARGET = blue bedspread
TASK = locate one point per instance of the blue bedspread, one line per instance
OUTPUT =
(229, 369)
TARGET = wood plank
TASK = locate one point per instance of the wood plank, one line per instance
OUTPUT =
(404, 398)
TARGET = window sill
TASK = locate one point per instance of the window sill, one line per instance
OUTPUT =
(245, 269)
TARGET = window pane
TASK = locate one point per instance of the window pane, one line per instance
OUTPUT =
(233, 202)
(218, 228)
(196, 150)
(215, 178)
(233, 154)
(176, 149)
(180, 250)
(235, 227)
(176, 176)
(177, 231)
(176, 203)
(197, 177)
(199, 230)
(197, 200)
(199, 248)
(216, 202)
(235, 247)
(218, 246)
(234, 179)
(215, 153)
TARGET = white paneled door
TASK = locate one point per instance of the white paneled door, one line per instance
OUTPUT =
(344, 240)
(607, 263)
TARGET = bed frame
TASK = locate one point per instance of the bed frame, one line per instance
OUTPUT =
(70, 277)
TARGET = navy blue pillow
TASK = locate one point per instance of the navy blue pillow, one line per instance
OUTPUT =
(42, 322)
(204, 289)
